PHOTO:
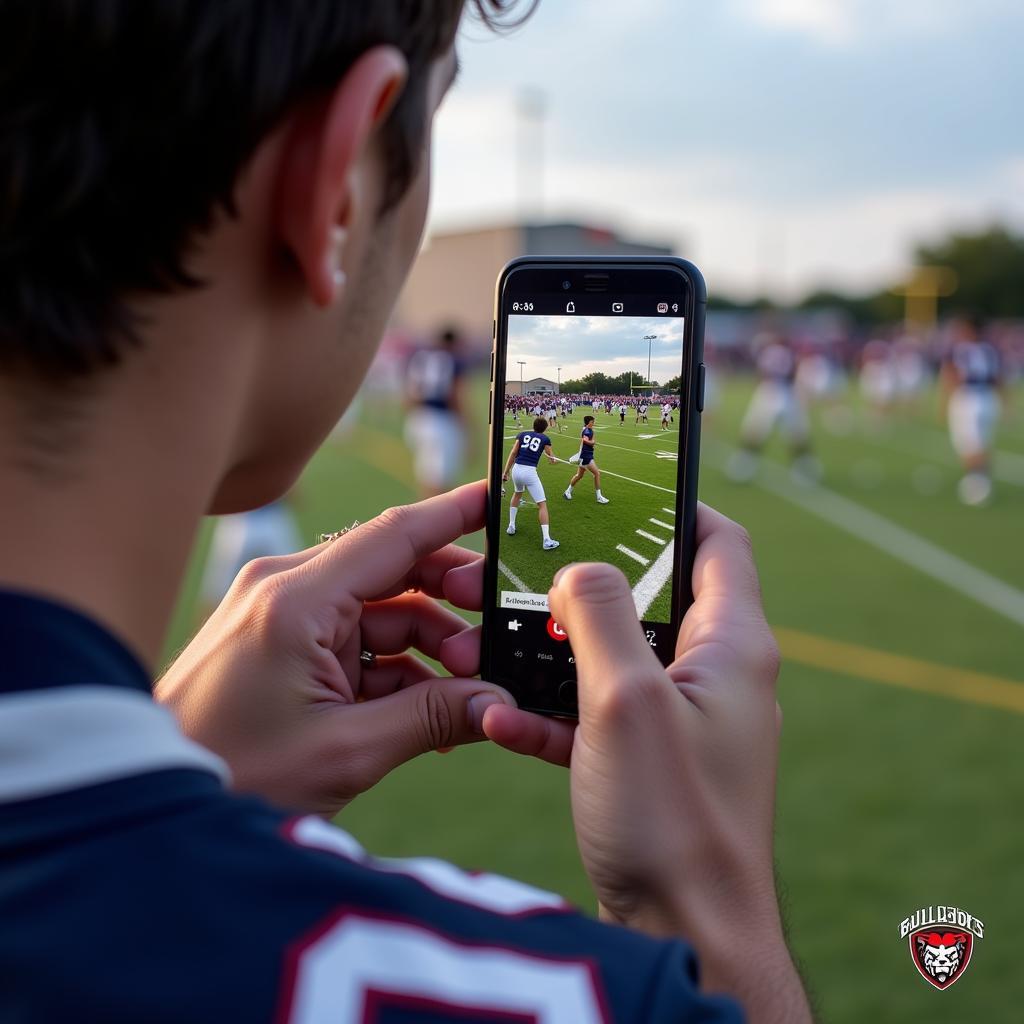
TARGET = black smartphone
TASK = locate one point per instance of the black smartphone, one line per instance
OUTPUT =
(597, 390)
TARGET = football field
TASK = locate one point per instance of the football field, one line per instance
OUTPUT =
(633, 531)
(900, 614)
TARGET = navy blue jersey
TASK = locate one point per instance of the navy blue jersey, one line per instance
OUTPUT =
(586, 450)
(432, 375)
(531, 446)
(135, 887)
(977, 363)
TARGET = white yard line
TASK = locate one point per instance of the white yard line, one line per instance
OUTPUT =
(670, 511)
(512, 578)
(632, 480)
(894, 540)
(658, 522)
(630, 553)
(652, 581)
(650, 536)
(622, 448)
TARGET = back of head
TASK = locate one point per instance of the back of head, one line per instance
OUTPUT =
(540, 424)
(124, 128)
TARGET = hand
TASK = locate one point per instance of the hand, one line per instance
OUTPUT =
(504, 477)
(673, 771)
(274, 683)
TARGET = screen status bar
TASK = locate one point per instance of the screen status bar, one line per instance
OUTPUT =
(596, 305)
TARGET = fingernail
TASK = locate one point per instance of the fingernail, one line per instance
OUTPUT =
(477, 705)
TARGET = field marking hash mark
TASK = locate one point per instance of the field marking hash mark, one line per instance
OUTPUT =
(650, 536)
(630, 553)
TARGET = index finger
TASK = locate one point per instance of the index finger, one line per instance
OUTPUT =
(380, 555)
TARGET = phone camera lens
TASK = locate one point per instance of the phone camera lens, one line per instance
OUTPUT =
(567, 285)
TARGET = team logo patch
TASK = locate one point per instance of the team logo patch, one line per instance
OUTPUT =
(941, 942)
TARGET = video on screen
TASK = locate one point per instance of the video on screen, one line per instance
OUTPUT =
(590, 453)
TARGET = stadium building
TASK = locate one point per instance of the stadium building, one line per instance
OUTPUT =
(535, 386)
(452, 281)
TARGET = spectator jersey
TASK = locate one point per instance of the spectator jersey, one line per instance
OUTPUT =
(136, 888)
(432, 374)
(531, 446)
(977, 363)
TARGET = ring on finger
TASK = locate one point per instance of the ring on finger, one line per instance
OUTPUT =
(323, 538)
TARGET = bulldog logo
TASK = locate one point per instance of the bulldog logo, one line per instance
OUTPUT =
(941, 942)
(941, 957)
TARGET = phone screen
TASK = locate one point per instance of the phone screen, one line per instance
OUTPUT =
(590, 415)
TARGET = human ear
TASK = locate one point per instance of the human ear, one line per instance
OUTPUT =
(318, 185)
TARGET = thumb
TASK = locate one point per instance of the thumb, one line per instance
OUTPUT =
(614, 663)
(419, 718)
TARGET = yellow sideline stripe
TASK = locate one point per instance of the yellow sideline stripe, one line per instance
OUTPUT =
(899, 670)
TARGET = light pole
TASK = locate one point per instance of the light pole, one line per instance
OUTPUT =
(650, 339)
(522, 363)
(559, 380)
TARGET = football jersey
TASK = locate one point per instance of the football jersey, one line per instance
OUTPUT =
(432, 374)
(777, 363)
(977, 363)
(136, 887)
(531, 445)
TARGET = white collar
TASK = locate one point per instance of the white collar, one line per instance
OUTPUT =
(73, 736)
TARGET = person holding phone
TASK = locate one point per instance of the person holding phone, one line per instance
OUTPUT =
(587, 463)
(523, 460)
(168, 859)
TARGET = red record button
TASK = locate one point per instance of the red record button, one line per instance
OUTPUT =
(555, 631)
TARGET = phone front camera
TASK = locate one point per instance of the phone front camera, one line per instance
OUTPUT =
(567, 285)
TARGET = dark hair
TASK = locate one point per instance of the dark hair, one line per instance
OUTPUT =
(587, 420)
(124, 125)
(540, 424)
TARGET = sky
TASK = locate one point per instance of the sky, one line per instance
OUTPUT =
(780, 144)
(592, 344)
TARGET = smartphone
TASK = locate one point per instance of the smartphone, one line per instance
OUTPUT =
(597, 390)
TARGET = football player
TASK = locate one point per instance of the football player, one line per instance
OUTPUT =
(522, 461)
(553, 416)
(972, 378)
(587, 463)
(776, 402)
(435, 426)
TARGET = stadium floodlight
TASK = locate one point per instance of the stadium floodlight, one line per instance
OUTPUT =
(522, 363)
(650, 339)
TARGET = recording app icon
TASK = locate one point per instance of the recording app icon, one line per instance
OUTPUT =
(616, 307)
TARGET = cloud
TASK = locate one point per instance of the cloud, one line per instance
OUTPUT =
(836, 23)
(589, 344)
(777, 142)
(829, 21)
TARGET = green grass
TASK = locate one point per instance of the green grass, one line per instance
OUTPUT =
(638, 474)
(888, 799)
